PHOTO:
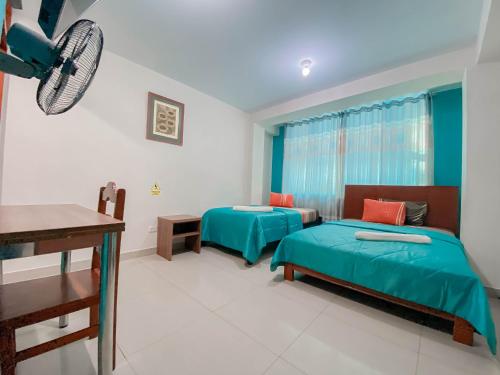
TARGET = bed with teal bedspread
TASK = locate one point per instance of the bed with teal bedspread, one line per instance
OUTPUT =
(248, 232)
(436, 275)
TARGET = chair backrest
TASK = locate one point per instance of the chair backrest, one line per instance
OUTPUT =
(110, 193)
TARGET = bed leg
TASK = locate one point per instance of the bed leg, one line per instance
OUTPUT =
(289, 272)
(463, 332)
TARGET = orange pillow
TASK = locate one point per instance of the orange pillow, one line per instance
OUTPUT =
(393, 213)
(281, 200)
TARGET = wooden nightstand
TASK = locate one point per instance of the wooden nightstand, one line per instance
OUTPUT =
(178, 226)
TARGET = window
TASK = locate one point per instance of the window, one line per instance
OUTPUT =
(386, 143)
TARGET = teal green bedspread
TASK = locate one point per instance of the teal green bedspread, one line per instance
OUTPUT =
(248, 232)
(437, 275)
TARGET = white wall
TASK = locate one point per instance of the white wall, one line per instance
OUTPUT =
(262, 146)
(66, 158)
(488, 47)
(481, 180)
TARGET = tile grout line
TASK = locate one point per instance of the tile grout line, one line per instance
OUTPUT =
(180, 289)
(215, 312)
(208, 310)
(374, 334)
(293, 366)
(261, 343)
(221, 268)
(257, 286)
(126, 360)
(241, 295)
(299, 336)
(282, 294)
(125, 357)
(237, 274)
(416, 365)
(257, 341)
(175, 286)
(306, 328)
(418, 351)
(152, 343)
(438, 358)
(271, 365)
(174, 331)
(245, 333)
(252, 290)
(279, 358)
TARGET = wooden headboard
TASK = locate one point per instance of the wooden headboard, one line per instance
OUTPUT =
(442, 201)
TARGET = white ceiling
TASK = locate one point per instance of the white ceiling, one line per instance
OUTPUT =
(247, 52)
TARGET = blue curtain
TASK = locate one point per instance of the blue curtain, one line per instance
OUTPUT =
(387, 143)
(312, 163)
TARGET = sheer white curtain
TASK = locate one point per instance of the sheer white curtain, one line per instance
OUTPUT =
(386, 143)
(312, 164)
(389, 144)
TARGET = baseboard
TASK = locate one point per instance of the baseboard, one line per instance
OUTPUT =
(14, 277)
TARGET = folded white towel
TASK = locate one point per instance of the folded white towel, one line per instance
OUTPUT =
(253, 208)
(398, 237)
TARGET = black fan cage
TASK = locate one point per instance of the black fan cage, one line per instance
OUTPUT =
(62, 88)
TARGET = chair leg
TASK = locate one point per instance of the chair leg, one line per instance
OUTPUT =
(94, 310)
(8, 351)
(65, 268)
(94, 319)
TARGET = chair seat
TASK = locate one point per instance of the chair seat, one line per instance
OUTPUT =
(33, 301)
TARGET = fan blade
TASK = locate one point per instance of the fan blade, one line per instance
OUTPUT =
(12, 65)
(57, 91)
(82, 44)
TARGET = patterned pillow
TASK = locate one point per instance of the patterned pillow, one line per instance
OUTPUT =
(415, 211)
(281, 200)
(384, 212)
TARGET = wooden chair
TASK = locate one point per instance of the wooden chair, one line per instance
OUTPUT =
(116, 196)
(30, 302)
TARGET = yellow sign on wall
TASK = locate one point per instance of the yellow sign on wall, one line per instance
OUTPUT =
(155, 189)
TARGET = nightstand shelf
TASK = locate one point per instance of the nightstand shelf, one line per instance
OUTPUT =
(178, 226)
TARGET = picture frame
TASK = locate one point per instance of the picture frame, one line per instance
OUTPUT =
(165, 121)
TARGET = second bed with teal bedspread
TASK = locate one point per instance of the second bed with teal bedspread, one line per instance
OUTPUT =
(437, 275)
(248, 232)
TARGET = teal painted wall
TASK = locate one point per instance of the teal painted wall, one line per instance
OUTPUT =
(277, 161)
(447, 123)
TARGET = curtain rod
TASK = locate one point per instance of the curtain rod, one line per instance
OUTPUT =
(355, 110)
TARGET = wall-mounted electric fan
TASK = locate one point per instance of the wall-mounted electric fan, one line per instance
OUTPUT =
(65, 69)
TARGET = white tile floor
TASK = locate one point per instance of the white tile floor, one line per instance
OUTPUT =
(209, 314)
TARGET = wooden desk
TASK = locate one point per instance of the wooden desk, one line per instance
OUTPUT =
(178, 226)
(43, 229)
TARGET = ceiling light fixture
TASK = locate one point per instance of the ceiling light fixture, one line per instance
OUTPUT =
(306, 67)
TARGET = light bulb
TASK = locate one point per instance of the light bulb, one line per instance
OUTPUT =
(306, 67)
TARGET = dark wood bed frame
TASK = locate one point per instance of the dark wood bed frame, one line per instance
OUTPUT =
(442, 213)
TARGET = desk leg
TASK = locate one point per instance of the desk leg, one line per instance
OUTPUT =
(65, 268)
(1, 272)
(106, 305)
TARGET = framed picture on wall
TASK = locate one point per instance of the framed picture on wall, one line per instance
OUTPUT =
(165, 120)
